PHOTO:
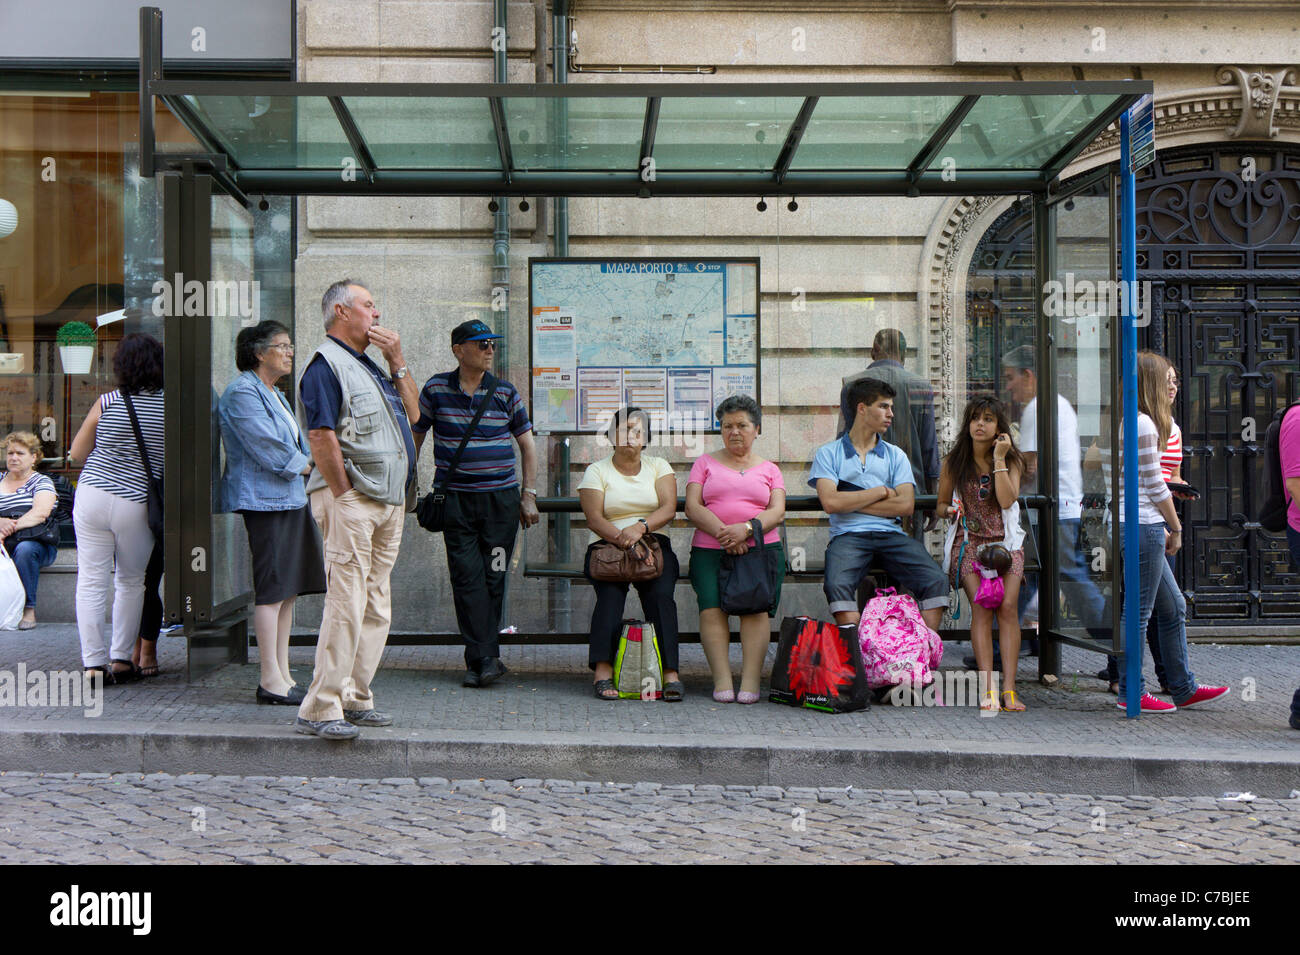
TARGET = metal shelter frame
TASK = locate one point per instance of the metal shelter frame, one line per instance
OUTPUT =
(218, 631)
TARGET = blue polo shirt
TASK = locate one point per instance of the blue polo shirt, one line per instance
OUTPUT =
(322, 399)
(886, 465)
(488, 463)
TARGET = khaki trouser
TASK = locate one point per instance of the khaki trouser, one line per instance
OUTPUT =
(362, 537)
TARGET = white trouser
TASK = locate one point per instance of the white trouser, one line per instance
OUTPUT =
(109, 527)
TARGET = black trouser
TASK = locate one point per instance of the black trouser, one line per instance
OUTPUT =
(480, 537)
(657, 604)
(151, 612)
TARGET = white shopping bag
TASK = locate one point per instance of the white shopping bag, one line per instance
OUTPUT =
(13, 598)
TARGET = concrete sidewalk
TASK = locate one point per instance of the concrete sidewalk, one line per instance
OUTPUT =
(542, 722)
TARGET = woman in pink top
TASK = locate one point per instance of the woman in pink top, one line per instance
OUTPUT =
(726, 492)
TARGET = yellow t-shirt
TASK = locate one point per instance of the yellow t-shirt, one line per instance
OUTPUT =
(627, 499)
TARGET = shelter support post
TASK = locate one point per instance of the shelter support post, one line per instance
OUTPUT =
(1128, 367)
(1049, 600)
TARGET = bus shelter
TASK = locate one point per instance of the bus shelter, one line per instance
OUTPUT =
(648, 142)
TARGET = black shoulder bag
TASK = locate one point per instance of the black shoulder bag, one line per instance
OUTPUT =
(155, 494)
(431, 510)
(747, 582)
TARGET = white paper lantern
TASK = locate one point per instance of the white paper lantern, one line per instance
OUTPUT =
(8, 218)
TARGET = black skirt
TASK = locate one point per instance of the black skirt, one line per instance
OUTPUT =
(288, 557)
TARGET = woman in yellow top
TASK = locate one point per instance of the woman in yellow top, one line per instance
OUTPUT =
(624, 497)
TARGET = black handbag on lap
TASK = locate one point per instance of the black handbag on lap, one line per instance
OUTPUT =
(747, 582)
(431, 510)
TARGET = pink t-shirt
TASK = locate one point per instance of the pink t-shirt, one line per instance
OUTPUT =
(734, 497)
(1288, 445)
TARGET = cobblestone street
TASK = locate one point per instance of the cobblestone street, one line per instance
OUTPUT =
(125, 818)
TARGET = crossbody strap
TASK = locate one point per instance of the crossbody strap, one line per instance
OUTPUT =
(139, 438)
(478, 415)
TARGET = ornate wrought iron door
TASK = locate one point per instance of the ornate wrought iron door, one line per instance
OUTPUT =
(1219, 239)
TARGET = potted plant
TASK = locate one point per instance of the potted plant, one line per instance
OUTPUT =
(76, 341)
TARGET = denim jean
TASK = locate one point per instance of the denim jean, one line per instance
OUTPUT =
(29, 558)
(1159, 595)
(1293, 540)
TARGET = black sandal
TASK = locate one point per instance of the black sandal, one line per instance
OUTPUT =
(129, 675)
(674, 692)
(601, 687)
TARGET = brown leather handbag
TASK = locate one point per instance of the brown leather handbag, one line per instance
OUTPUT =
(644, 560)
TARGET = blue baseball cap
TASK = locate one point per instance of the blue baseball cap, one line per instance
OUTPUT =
(475, 331)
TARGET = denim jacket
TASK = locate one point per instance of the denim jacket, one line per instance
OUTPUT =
(264, 456)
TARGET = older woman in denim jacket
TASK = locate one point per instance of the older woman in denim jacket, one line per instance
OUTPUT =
(267, 456)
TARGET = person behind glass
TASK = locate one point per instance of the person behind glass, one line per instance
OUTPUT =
(27, 498)
(1171, 469)
(267, 456)
(625, 497)
(111, 510)
(726, 491)
(1159, 533)
(984, 468)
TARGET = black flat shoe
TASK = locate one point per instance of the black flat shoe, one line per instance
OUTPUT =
(491, 670)
(294, 697)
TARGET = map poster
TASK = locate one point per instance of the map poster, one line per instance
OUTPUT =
(647, 389)
(690, 399)
(656, 333)
(600, 394)
(732, 381)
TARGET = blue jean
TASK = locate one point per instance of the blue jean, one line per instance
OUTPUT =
(1159, 595)
(849, 556)
(1293, 540)
(29, 558)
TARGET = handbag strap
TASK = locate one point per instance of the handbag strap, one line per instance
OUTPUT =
(478, 415)
(139, 438)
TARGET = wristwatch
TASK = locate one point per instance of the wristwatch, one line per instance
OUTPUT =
(401, 372)
(528, 490)
(642, 520)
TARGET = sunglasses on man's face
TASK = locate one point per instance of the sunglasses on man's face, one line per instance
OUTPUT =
(486, 345)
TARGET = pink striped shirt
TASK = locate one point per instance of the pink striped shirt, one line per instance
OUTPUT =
(1173, 456)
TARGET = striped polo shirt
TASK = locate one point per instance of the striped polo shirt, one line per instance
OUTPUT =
(488, 463)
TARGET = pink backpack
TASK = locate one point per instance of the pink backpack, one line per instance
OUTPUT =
(896, 643)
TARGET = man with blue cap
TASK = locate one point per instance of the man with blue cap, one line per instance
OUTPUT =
(484, 499)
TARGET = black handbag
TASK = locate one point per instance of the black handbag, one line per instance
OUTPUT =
(46, 533)
(747, 582)
(155, 493)
(431, 510)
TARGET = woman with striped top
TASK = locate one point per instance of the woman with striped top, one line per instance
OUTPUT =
(1171, 463)
(26, 501)
(1159, 533)
(111, 512)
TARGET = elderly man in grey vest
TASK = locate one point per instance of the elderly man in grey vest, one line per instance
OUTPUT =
(357, 419)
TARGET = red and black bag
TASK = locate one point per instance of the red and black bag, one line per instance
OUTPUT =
(819, 665)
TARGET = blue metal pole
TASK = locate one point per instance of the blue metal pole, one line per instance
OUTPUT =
(1128, 367)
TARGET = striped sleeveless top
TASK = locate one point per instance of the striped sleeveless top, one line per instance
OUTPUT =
(1173, 456)
(114, 465)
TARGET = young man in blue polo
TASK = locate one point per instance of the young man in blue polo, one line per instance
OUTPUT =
(866, 487)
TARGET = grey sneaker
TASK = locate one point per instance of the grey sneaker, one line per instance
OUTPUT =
(327, 729)
(367, 718)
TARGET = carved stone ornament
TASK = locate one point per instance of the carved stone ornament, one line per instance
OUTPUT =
(1259, 96)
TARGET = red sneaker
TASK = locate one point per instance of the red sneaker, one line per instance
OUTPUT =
(1204, 694)
(1151, 705)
